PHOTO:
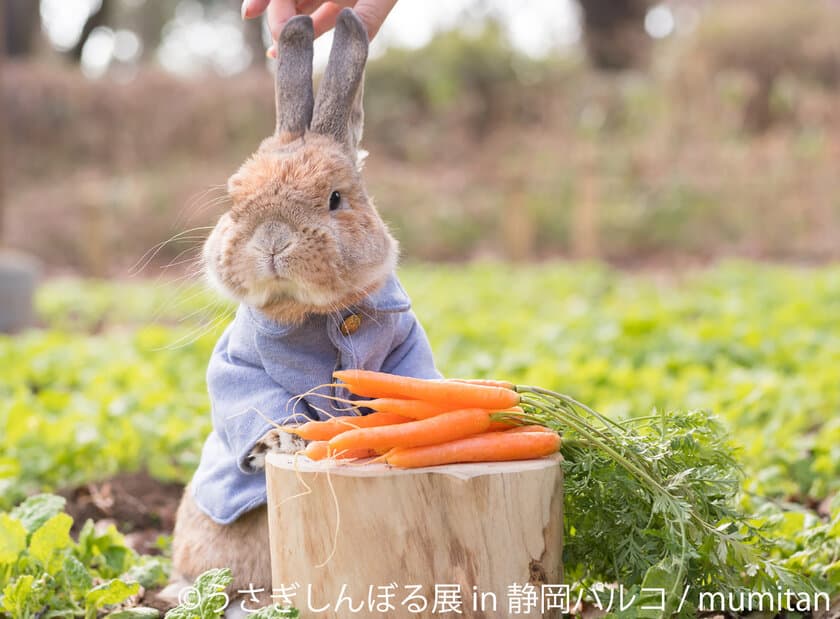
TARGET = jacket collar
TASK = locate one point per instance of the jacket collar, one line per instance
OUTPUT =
(390, 297)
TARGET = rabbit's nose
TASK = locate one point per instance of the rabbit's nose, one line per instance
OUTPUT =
(275, 236)
(278, 248)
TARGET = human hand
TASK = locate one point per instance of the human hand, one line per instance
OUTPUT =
(371, 12)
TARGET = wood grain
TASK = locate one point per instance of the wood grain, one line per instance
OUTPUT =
(484, 527)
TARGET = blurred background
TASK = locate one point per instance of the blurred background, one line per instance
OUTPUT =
(640, 133)
(630, 201)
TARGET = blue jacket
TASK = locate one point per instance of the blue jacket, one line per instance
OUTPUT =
(258, 365)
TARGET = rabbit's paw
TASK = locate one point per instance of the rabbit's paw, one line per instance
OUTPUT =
(274, 441)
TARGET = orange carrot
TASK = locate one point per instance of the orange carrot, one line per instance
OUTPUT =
(506, 424)
(503, 384)
(416, 409)
(319, 450)
(501, 426)
(458, 395)
(325, 430)
(438, 429)
(492, 447)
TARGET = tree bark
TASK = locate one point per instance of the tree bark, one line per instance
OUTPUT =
(21, 25)
(480, 527)
(614, 33)
(3, 22)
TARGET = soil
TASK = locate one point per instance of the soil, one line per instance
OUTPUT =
(141, 507)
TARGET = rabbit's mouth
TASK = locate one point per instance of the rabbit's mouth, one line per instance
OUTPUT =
(275, 269)
(263, 279)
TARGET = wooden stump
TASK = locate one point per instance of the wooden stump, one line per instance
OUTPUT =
(479, 529)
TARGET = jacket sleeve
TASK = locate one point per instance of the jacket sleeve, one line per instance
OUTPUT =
(246, 402)
(412, 356)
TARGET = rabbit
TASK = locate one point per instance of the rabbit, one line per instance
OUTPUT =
(311, 263)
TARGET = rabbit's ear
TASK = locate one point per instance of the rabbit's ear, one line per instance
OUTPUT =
(356, 120)
(293, 82)
(338, 105)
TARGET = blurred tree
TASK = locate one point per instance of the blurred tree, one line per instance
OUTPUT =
(796, 39)
(21, 27)
(481, 74)
(3, 22)
(148, 20)
(614, 33)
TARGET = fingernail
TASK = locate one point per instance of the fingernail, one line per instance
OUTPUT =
(246, 4)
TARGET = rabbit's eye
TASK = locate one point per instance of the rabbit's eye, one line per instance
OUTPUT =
(335, 200)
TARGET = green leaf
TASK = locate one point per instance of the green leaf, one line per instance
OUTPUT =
(16, 595)
(659, 591)
(36, 510)
(25, 598)
(138, 612)
(105, 552)
(111, 592)
(86, 545)
(214, 580)
(78, 579)
(117, 559)
(150, 573)
(834, 531)
(49, 538)
(275, 612)
(12, 538)
(207, 599)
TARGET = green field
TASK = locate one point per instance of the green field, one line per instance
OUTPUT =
(115, 379)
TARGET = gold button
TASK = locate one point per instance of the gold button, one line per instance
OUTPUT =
(350, 324)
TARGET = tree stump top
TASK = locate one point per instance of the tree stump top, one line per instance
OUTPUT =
(302, 464)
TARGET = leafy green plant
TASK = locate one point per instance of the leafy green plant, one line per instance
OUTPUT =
(756, 344)
(45, 573)
(206, 599)
(657, 495)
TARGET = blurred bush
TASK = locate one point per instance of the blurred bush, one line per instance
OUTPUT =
(474, 83)
(766, 40)
(476, 150)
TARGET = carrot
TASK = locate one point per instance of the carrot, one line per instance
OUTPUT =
(438, 429)
(325, 430)
(503, 384)
(416, 409)
(458, 395)
(506, 424)
(501, 426)
(319, 450)
(491, 447)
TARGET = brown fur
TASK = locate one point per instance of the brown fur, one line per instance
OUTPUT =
(336, 257)
(281, 249)
(199, 544)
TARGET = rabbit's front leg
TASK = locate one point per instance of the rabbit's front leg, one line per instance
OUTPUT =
(274, 441)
